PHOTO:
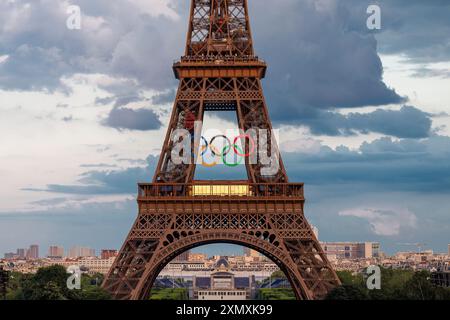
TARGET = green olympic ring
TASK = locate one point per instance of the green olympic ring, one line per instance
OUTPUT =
(225, 152)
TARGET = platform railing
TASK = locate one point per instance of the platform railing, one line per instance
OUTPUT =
(214, 59)
(220, 189)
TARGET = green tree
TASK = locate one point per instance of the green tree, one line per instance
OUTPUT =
(278, 275)
(170, 294)
(14, 290)
(48, 291)
(395, 285)
(419, 287)
(50, 283)
(95, 293)
(348, 278)
(91, 288)
(47, 284)
(275, 294)
(347, 292)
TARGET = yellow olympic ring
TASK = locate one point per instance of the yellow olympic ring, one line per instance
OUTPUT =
(209, 165)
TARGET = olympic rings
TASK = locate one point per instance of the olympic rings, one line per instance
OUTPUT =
(226, 150)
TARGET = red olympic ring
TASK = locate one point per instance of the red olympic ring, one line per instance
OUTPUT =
(252, 143)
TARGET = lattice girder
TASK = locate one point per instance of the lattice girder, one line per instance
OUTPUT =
(219, 27)
(278, 229)
(197, 95)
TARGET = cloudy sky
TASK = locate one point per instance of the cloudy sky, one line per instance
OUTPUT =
(363, 115)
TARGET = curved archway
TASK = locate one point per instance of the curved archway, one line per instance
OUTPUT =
(147, 252)
(221, 271)
(170, 252)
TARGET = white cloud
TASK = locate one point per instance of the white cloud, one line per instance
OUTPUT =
(384, 222)
(4, 58)
(155, 7)
(116, 38)
(302, 144)
(49, 149)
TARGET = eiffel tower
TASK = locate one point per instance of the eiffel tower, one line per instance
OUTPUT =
(220, 72)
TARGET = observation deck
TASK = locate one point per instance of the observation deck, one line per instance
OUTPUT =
(221, 190)
(220, 67)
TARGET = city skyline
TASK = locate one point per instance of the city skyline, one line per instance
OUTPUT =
(219, 250)
(344, 256)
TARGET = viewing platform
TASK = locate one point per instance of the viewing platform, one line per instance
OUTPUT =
(220, 66)
(221, 189)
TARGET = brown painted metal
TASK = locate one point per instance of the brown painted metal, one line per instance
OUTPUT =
(219, 72)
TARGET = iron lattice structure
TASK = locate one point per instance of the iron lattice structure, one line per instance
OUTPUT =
(219, 72)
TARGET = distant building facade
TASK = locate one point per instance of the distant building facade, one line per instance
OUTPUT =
(351, 250)
(96, 265)
(21, 253)
(183, 257)
(33, 252)
(197, 257)
(251, 253)
(81, 252)
(222, 285)
(10, 256)
(180, 266)
(108, 253)
(55, 252)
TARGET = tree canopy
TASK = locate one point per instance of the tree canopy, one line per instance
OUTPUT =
(50, 283)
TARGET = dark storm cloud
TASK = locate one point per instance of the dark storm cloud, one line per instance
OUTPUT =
(130, 119)
(320, 53)
(424, 72)
(68, 119)
(105, 225)
(393, 166)
(124, 101)
(384, 175)
(97, 225)
(104, 101)
(33, 68)
(404, 165)
(316, 52)
(116, 39)
(99, 165)
(418, 29)
(408, 122)
(72, 189)
(164, 97)
(315, 60)
(102, 182)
